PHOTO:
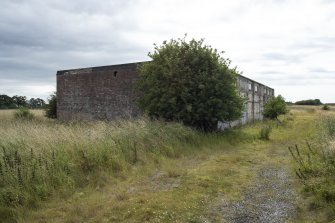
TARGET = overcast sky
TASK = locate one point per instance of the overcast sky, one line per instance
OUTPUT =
(285, 44)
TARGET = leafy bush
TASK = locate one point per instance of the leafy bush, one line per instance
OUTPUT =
(23, 113)
(325, 107)
(51, 107)
(274, 107)
(264, 133)
(189, 82)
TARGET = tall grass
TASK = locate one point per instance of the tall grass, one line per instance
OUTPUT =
(264, 133)
(40, 158)
(316, 168)
(23, 113)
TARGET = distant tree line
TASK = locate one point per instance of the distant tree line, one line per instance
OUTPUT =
(7, 102)
(309, 102)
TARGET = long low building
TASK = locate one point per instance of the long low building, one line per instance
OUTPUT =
(107, 93)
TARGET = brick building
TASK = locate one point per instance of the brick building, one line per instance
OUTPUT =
(108, 92)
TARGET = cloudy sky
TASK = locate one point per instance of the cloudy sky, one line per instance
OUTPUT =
(286, 44)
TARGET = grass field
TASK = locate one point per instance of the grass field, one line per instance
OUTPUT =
(145, 171)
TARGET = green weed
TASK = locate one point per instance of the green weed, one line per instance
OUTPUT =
(264, 133)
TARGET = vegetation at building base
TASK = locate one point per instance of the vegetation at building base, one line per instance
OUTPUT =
(275, 107)
(189, 82)
(309, 102)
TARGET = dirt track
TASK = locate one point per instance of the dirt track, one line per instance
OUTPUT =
(269, 200)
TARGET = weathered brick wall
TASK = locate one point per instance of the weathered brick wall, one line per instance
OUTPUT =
(256, 95)
(97, 93)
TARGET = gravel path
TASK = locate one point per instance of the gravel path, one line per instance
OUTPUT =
(270, 200)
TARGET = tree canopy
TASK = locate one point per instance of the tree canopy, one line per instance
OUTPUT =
(274, 107)
(309, 102)
(189, 82)
(7, 102)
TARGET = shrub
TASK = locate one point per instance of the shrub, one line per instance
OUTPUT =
(23, 113)
(51, 107)
(325, 107)
(274, 107)
(264, 133)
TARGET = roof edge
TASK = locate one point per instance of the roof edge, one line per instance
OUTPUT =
(107, 67)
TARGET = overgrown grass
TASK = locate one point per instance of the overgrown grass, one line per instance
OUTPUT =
(264, 133)
(23, 113)
(132, 171)
(41, 158)
(315, 163)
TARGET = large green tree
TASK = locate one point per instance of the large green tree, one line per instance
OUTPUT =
(36, 103)
(20, 101)
(189, 82)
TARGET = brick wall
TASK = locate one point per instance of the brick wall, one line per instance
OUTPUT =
(97, 93)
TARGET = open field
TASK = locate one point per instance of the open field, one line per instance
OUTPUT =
(144, 171)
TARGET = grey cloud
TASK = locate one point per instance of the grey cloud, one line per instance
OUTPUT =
(322, 43)
(322, 70)
(274, 56)
(40, 37)
(313, 76)
(61, 24)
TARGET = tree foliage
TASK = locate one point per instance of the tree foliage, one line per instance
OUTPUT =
(189, 82)
(36, 103)
(274, 107)
(7, 102)
(20, 101)
(51, 107)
